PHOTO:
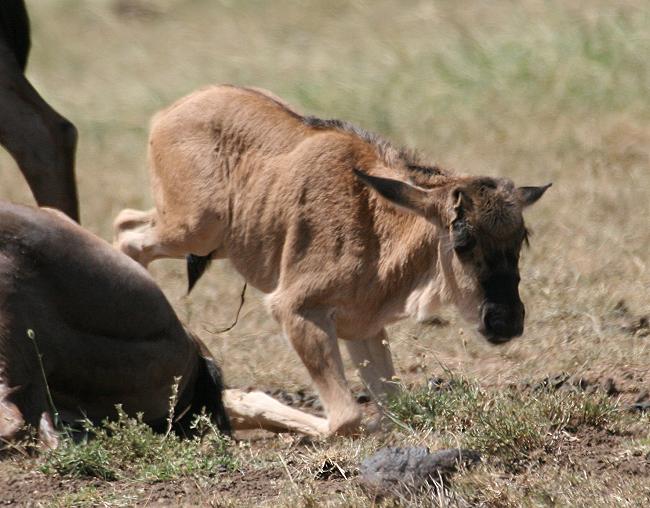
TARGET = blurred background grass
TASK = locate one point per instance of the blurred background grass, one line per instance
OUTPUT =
(536, 90)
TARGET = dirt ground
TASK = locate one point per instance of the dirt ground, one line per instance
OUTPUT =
(283, 468)
(537, 91)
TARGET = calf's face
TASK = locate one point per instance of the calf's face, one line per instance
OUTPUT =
(486, 231)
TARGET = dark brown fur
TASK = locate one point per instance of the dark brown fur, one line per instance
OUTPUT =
(105, 332)
(41, 141)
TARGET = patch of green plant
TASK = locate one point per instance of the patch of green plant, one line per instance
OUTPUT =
(128, 448)
(508, 424)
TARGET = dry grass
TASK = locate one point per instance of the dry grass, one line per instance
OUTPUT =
(537, 91)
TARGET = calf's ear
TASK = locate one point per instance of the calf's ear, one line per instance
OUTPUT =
(529, 195)
(402, 194)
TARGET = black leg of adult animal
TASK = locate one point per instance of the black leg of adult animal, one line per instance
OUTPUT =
(41, 141)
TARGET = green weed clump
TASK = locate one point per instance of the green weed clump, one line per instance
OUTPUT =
(128, 448)
(507, 424)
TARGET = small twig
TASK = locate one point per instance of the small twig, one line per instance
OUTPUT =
(393, 418)
(173, 399)
(31, 335)
(381, 404)
(242, 299)
(340, 469)
(12, 446)
(286, 468)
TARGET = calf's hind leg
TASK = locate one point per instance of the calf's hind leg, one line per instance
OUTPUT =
(143, 237)
(147, 236)
(372, 358)
(256, 410)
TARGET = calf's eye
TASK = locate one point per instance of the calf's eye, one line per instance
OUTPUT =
(463, 240)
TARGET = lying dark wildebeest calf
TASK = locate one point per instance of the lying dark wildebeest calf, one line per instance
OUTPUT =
(41, 141)
(106, 334)
(344, 232)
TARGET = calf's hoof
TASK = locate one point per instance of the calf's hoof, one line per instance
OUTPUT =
(347, 423)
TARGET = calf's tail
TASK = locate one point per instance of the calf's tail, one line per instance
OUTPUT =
(196, 266)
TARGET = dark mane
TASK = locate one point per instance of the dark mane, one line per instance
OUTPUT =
(388, 152)
(419, 172)
(385, 148)
(426, 170)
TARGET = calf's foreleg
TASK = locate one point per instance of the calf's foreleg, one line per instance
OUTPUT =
(256, 410)
(312, 334)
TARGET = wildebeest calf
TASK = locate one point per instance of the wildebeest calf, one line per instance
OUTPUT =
(343, 231)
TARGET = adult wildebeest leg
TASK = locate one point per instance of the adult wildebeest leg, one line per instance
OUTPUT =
(312, 334)
(372, 358)
(11, 419)
(41, 141)
(13, 422)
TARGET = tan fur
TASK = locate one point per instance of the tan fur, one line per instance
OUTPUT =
(237, 173)
(256, 410)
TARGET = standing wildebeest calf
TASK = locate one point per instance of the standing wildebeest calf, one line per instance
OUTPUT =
(40, 140)
(105, 331)
(343, 231)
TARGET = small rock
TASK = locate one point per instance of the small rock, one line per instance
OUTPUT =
(391, 470)
(363, 398)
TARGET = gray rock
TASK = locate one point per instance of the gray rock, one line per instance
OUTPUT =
(396, 469)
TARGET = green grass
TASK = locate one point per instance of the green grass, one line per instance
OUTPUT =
(128, 448)
(506, 424)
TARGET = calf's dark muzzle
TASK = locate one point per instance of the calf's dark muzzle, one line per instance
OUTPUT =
(501, 322)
